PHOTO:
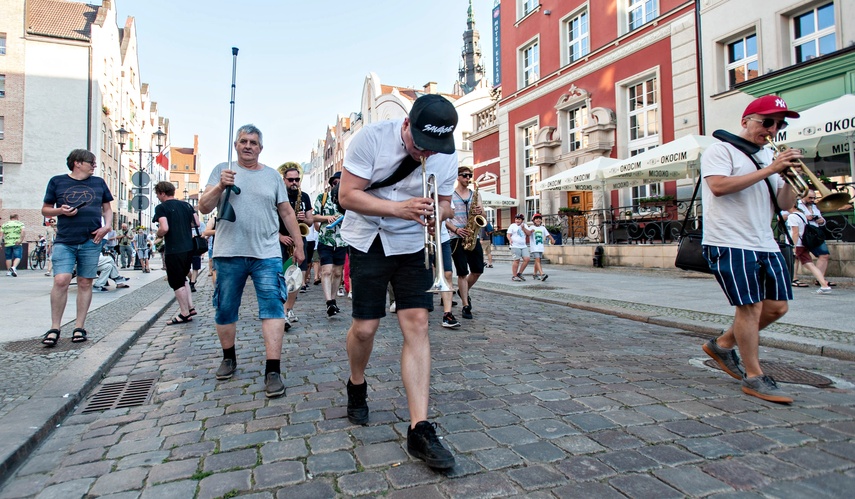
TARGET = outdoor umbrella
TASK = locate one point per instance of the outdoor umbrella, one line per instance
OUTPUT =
(824, 130)
(496, 200)
(585, 177)
(676, 159)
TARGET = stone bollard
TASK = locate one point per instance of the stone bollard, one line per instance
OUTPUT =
(599, 252)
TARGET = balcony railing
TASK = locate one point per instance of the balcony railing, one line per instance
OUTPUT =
(485, 118)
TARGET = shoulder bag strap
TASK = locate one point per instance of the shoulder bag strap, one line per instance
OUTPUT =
(407, 166)
(691, 205)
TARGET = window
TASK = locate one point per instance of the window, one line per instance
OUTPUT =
(530, 170)
(640, 12)
(104, 137)
(742, 62)
(111, 148)
(577, 119)
(530, 64)
(1, 170)
(645, 191)
(192, 186)
(813, 33)
(577, 32)
(2, 85)
(466, 144)
(2, 43)
(643, 114)
(526, 7)
(2, 126)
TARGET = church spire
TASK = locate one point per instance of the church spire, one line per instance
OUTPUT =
(471, 70)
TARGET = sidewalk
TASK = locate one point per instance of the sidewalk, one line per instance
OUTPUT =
(183, 358)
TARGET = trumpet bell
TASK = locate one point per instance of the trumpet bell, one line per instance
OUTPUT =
(439, 286)
(834, 201)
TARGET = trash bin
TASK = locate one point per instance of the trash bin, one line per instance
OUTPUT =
(598, 256)
(498, 240)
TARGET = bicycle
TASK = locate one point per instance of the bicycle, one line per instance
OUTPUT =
(38, 257)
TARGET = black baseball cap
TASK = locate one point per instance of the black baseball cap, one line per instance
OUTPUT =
(336, 175)
(432, 123)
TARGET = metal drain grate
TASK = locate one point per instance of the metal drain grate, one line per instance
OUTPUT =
(784, 373)
(119, 395)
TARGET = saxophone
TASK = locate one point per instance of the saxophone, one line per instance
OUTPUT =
(298, 206)
(474, 223)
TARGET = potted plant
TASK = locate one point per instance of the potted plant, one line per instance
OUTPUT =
(657, 201)
(569, 211)
(555, 232)
(105, 110)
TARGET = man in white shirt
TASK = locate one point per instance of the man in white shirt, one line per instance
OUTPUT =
(384, 227)
(807, 205)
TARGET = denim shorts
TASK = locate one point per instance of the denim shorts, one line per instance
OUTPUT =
(85, 256)
(371, 272)
(820, 250)
(267, 277)
(13, 252)
(748, 276)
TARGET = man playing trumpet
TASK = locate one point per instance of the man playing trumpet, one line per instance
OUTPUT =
(739, 244)
(384, 227)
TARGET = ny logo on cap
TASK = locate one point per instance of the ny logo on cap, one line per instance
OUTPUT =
(780, 103)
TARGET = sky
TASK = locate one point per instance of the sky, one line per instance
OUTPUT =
(299, 65)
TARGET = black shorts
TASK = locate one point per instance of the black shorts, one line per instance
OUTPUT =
(309, 250)
(466, 261)
(332, 256)
(196, 262)
(177, 268)
(370, 274)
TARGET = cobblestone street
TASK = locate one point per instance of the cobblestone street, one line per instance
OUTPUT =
(534, 399)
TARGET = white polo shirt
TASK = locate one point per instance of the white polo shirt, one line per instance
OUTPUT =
(374, 154)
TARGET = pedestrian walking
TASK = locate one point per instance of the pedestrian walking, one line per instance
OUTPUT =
(739, 244)
(797, 223)
(176, 220)
(78, 200)
(521, 254)
(143, 249)
(537, 241)
(249, 247)
(332, 250)
(126, 250)
(301, 203)
(381, 189)
(807, 206)
(13, 239)
(468, 263)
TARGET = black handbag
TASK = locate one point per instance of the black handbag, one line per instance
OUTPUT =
(200, 243)
(813, 236)
(690, 255)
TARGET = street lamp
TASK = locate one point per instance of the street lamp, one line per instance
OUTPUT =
(159, 140)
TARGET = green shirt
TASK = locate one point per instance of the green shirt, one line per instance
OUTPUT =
(12, 232)
(328, 237)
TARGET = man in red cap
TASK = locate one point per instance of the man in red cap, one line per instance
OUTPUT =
(739, 244)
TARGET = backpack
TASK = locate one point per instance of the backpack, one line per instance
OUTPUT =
(813, 236)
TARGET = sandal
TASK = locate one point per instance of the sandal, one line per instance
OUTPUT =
(78, 335)
(50, 338)
(192, 312)
(799, 284)
(179, 319)
(830, 284)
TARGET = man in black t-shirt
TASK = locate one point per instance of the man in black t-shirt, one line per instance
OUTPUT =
(303, 210)
(78, 201)
(176, 220)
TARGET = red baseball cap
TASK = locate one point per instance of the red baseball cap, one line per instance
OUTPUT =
(536, 215)
(769, 104)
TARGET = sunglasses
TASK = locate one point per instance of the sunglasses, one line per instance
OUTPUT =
(292, 180)
(466, 175)
(769, 122)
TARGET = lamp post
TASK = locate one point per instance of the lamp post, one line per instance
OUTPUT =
(159, 138)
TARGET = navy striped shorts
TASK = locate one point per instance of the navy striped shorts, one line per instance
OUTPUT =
(748, 276)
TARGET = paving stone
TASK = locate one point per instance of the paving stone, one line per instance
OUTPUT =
(529, 412)
(589, 489)
(70, 488)
(497, 458)
(382, 454)
(617, 440)
(361, 484)
(652, 434)
(771, 467)
(367, 435)
(278, 474)
(411, 475)
(579, 444)
(70, 473)
(692, 481)
(661, 413)
(184, 488)
(144, 459)
(220, 484)
(735, 474)
(669, 455)
(590, 422)
(550, 428)
(632, 399)
(691, 429)
(584, 468)
(119, 481)
(512, 435)
(489, 484)
(627, 417)
(496, 417)
(813, 459)
(297, 430)
(833, 484)
(709, 448)
(536, 477)
(644, 486)
(785, 436)
(823, 433)
(245, 458)
(193, 450)
(627, 461)
(844, 450)
(423, 492)
(172, 470)
(330, 442)
(749, 442)
(539, 452)
(333, 462)
(470, 441)
(599, 403)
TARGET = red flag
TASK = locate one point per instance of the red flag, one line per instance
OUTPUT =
(163, 160)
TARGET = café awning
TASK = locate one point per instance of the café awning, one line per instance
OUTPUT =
(493, 200)
(679, 158)
(824, 130)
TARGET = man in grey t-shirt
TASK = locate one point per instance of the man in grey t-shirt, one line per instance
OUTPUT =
(249, 247)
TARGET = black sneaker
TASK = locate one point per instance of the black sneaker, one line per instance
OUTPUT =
(467, 312)
(357, 406)
(227, 369)
(543, 277)
(192, 287)
(423, 443)
(448, 320)
(273, 386)
(332, 310)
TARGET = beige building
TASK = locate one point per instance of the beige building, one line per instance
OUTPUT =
(184, 169)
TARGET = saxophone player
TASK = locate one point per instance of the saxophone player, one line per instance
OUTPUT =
(302, 205)
(469, 264)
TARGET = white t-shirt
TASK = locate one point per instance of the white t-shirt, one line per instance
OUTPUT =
(538, 238)
(809, 210)
(374, 154)
(516, 236)
(742, 219)
(797, 220)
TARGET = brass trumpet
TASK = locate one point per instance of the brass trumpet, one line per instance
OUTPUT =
(433, 246)
(831, 201)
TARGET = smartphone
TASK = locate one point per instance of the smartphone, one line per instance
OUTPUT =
(81, 205)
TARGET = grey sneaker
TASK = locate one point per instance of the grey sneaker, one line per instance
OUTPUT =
(273, 386)
(727, 358)
(226, 369)
(764, 387)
